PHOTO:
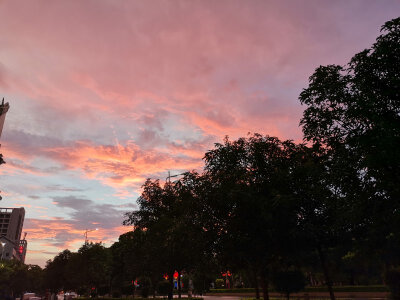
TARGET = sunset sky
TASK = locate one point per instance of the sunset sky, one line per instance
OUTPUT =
(105, 94)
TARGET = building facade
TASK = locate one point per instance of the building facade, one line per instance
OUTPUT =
(11, 219)
(11, 223)
(3, 110)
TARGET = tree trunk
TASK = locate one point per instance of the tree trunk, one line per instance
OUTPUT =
(171, 285)
(179, 285)
(256, 285)
(154, 284)
(352, 281)
(264, 282)
(257, 291)
(190, 288)
(326, 272)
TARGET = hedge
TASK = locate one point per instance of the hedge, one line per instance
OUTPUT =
(349, 288)
(136, 298)
(338, 288)
(242, 290)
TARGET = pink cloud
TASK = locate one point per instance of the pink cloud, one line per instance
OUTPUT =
(57, 235)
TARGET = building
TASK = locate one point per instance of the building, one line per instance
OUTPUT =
(11, 223)
(11, 219)
(3, 110)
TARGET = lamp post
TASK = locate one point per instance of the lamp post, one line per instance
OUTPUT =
(86, 234)
(3, 244)
(168, 179)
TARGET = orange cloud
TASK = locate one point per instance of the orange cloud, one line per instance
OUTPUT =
(120, 166)
(63, 234)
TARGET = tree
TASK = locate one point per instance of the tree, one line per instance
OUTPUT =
(94, 262)
(13, 275)
(354, 113)
(122, 262)
(323, 208)
(35, 279)
(133, 256)
(169, 217)
(392, 278)
(88, 268)
(55, 275)
(253, 211)
(16, 278)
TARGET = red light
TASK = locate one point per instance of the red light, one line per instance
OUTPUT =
(21, 249)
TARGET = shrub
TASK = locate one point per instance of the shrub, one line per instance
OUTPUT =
(102, 290)
(127, 290)
(237, 290)
(392, 278)
(145, 286)
(163, 287)
(116, 294)
(349, 288)
(288, 282)
(219, 283)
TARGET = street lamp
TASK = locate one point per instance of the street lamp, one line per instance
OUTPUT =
(86, 236)
(168, 179)
(3, 244)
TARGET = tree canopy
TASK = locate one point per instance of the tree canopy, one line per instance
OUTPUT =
(354, 112)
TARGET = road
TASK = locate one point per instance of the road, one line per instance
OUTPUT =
(222, 297)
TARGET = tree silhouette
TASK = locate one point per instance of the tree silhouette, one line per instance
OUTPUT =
(353, 112)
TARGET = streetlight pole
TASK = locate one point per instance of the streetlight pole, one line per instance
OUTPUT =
(3, 244)
(86, 234)
(168, 179)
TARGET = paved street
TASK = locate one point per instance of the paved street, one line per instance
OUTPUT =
(221, 297)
